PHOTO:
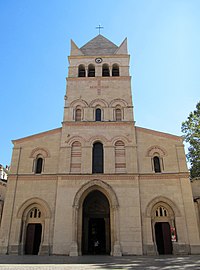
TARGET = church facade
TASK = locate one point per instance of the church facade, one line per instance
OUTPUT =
(99, 184)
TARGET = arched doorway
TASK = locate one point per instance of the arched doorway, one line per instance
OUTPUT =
(34, 217)
(33, 238)
(163, 238)
(96, 224)
(33, 232)
(163, 220)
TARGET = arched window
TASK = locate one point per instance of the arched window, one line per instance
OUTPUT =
(97, 158)
(118, 114)
(78, 115)
(75, 165)
(38, 165)
(81, 71)
(161, 211)
(91, 70)
(98, 114)
(120, 158)
(156, 164)
(34, 213)
(115, 70)
(105, 70)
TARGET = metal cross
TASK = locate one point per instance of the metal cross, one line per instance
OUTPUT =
(99, 27)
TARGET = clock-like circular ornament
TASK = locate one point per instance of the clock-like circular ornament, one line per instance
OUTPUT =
(98, 60)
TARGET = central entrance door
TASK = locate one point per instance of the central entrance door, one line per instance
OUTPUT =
(163, 238)
(96, 224)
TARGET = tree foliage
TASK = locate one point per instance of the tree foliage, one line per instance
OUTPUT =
(191, 130)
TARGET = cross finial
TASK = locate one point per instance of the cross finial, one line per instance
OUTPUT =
(99, 27)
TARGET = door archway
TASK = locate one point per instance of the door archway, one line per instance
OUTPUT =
(34, 217)
(163, 221)
(33, 232)
(96, 224)
(77, 221)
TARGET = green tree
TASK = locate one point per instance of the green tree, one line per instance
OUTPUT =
(191, 130)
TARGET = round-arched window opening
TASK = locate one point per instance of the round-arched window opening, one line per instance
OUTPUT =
(97, 158)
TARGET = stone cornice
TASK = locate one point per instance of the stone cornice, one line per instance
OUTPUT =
(158, 133)
(102, 123)
(82, 79)
(103, 56)
(33, 177)
(38, 135)
(159, 176)
(121, 177)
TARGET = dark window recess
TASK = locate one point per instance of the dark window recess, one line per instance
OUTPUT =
(98, 115)
(39, 163)
(97, 158)
(81, 71)
(78, 115)
(105, 71)
(115, 70)
(118, 114)
(156, 163)
(91, 71)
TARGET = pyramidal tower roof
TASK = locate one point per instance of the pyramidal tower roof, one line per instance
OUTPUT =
(99, 46)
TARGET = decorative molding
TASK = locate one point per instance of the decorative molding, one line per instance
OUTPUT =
(98, 138)
(156, 149)
(96, 184)
(110, 78)
(97, 102)
(39, 151)
(124, 139)
(103, 177)
(162, 200)
(98, 123)
(33, 177)
(106, 177)
(118, 101)
(73, 139)
(34, 202)
(78, 102)
(159, 176)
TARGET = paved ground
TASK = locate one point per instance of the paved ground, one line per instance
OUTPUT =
(9, 262)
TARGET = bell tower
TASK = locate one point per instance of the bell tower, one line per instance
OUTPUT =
(99, 76)
(98, 105)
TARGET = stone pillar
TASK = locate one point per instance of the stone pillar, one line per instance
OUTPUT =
(117, 246)
(86, 159)
(74, 245)
(149, 245)
(64, 159)
(109, 159)
(44, 247)
(131, 159)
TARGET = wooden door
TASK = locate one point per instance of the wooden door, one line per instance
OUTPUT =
(163, 238)
(33, 238)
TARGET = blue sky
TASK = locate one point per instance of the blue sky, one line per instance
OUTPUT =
(163, 41)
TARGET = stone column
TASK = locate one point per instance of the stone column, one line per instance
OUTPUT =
(45, 248)
(117, 246)
(74, 245)
(149, 244)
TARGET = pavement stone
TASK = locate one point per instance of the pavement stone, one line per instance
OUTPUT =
(10, 262)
